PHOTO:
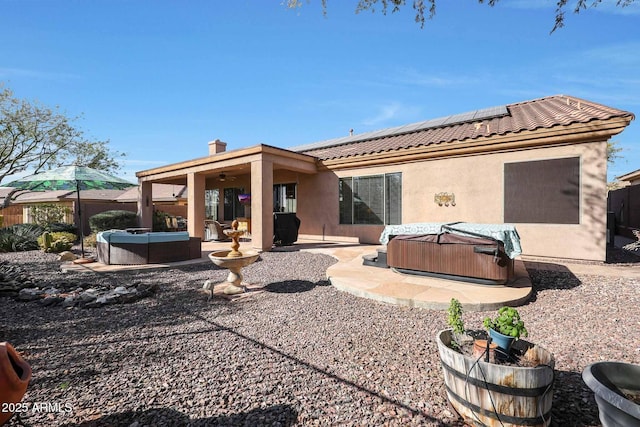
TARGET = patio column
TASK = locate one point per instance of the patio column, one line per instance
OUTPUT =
(262, 204)
(195, 204)
(145, 204)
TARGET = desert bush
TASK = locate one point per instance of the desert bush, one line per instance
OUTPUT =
(57, 235)
(160, 221)
(48, 213)
(62, 226)
(56, 242)
(20, 237)
(91, 241)
(113, 220)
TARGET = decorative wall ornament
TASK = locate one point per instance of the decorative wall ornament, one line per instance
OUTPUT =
(445, 199)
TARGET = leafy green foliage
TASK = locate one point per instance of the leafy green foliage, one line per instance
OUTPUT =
(91, 241)
(613, 152)
(62, 226)
(48, 213)
(55, 242)
(36, 137)
(455, 316)
(160, 221)
(113, 220)
(507, 322)
(20, 237)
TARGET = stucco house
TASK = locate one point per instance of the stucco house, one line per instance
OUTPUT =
(538, 164)
(631, 178)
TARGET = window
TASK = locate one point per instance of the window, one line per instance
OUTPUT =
(375, 199)
(542, 191)
(211, 198)
(232, 206)
(284, 198)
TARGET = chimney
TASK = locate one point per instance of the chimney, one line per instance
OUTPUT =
(216, 147)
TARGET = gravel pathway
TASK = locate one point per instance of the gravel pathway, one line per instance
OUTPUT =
(300, 353)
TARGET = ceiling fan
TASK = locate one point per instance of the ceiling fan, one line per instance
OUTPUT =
(223, 177)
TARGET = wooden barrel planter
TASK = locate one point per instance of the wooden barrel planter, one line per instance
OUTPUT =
(494, 394)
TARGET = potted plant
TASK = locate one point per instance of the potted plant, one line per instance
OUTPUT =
(505, 327)
(454, 319)
(477, 386)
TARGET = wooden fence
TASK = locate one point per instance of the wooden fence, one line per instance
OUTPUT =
(625, 204)
(11, 215)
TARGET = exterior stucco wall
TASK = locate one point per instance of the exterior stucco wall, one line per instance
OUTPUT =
(478, 184)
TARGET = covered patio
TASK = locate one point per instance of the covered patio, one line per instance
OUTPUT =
(255, 170)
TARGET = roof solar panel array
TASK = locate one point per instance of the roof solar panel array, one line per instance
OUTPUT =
(482, 114)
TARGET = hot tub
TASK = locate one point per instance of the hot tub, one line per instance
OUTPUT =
(471, 252)
(125, 248)
(451, 256)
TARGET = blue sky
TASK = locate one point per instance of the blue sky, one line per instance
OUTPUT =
(160, 79)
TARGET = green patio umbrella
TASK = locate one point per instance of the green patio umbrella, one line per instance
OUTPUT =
(73, 178)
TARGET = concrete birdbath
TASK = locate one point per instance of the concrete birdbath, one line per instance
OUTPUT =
(234, 261)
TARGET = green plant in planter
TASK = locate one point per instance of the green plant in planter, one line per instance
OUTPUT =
(507, 322)
(454, 319)
(455, 316)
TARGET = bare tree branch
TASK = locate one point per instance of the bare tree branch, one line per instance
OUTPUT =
(427, 8)
(36, 137)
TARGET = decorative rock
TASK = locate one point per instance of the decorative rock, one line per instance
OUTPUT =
(67, 256)
(30, 294)
(51, 300)
(51, 291)
(70, 301)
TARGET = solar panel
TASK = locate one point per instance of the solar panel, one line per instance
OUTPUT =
(485, 113)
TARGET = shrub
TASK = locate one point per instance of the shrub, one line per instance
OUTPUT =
(91, 241)
(62, 226)
(20, 237)
(111, 220)
(48, 213)
(69, 236)
(58, 235)
(56, 242)
(160, 221)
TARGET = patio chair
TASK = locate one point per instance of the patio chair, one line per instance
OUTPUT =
(216, 232)
(172, 223)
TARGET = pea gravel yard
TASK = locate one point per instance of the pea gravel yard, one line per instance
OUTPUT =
(299, 353)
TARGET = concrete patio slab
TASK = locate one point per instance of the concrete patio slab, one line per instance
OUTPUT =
(386, 285)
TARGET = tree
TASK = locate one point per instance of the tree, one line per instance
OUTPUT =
(613, 152)
(35, 137)
(427, 8)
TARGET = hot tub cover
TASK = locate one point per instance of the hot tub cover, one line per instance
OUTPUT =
(506, 233)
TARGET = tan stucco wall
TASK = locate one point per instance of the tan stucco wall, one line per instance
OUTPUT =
(477, 182)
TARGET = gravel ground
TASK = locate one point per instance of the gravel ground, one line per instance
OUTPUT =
(300, 353)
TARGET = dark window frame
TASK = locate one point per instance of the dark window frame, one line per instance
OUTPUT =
(384, 201)
(543, 191)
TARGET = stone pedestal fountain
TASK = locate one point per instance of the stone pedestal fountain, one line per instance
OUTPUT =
(234, 261)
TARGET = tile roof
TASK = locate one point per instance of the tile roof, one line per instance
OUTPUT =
(629, 176)
(160, 193)
(548, 112)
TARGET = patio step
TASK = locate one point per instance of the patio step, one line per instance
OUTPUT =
(379, 259)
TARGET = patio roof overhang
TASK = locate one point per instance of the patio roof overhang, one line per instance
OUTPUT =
(231, 162)
(259, 162)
